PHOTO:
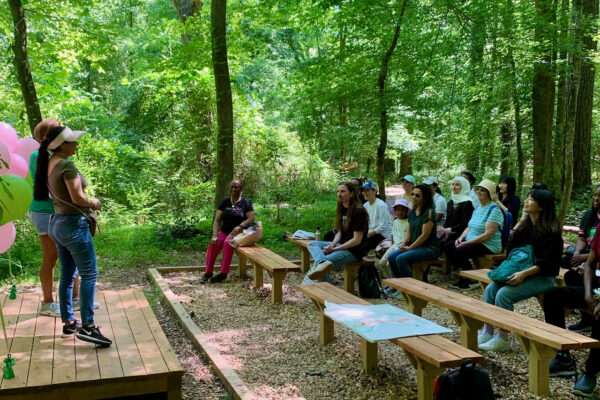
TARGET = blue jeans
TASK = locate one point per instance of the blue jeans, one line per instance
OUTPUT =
(76, 251)
(506, 296)
(338, 258)
(400, 260)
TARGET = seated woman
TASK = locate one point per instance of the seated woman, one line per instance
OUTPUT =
(328, 237)
(350, 241)
(398, 232)
(507, 187)
(468, 175)
(459, 212)
(380, 223)
(481, 236)
(233, 215)
(421, 242)
(541, 230)
(408, 183)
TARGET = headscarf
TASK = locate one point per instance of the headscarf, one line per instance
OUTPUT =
(464, 192)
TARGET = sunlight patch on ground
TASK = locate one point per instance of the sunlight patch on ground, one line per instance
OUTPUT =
(287, 392)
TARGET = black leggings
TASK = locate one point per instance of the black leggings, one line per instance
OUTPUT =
(459, 257)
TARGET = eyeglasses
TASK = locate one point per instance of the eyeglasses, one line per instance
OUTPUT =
(416, 195)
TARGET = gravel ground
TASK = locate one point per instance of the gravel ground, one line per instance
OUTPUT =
(276, 351)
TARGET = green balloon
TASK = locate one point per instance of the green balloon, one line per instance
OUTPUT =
(15, 197)
(28, 179)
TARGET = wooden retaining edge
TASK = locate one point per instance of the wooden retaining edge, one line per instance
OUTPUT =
(191, 268)
(230, 379)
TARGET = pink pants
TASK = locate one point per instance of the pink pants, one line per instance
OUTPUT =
(213, 251)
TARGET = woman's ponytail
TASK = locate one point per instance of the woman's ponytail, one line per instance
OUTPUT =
(40, 186)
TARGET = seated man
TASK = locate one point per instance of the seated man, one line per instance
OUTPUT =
(380, 223)
(556, 299)
(441, 205)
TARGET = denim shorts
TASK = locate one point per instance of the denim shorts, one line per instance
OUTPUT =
(40, 221)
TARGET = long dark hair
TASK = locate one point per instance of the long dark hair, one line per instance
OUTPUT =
(511, 188)
(40, 186)
(354, 204)
(547, 221)
(427, 196)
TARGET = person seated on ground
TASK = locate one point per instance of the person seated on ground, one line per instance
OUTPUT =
(537, 185)
(560, 298)
(481, 236)
(408, 183)
(459, 212)
(380, 224)
(542, 231)
(468, 175)
(507, 187)
(398, 232)
(439, 201)
(576, 256)
(234, 214)
(328, 237)
(350, 241)
(420, 242)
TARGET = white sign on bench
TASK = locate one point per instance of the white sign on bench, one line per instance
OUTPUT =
(381, 321)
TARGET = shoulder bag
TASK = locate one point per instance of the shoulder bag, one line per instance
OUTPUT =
(90, 215)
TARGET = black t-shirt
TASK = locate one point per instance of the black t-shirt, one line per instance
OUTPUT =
(588, 225)
(233, 214)
(358, 223)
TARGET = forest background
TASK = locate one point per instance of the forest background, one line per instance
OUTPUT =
(320, 91)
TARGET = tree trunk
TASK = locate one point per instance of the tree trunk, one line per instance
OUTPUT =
(542, 95)
(405, 164)
(186, 8)
(505, 130)
(572, 109)
(383, 73)
(582, 173)
(558, 151)
(32, 106)
(224, 100)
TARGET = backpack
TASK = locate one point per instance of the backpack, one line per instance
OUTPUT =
(468, 382)
(369, 284)
(507, 226)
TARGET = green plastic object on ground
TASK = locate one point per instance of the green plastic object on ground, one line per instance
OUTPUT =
(13, 292)
(8, 367)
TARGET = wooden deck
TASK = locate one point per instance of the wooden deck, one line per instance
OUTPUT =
(140, 361)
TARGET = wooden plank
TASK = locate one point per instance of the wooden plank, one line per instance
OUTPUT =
(427, 351)
(147, 347)
(40, 370)
(10, 309)
(64, 357)
(109, 364)
(326, 291)
(131, 361)
(159, 336)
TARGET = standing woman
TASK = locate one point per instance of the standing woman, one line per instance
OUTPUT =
(69, 229)
(420, 242)
(459, 211)
(234, 214)
(507, 187)
(543, 231)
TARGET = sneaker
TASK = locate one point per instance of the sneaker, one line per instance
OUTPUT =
(77, 307)
(320, 270)
(220, 277)
(71, 329)
(397, 295)
(50, 309)
(562, 366)
(496, 343)
(582, 326)
(92, 334)
(585, 386)
(205, 277)
(483, 337)
(465, 284)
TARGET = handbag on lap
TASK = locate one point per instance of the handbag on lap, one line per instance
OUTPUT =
(248, 237)
(519, 259)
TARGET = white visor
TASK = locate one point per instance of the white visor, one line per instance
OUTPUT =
(67, 135)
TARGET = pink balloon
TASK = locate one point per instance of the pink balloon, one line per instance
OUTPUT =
(18, 166)
(8, 135)
(8, 233)
(25, 147)
(4, 158)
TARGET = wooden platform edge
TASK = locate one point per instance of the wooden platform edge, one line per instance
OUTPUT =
(192, 268)
(230, 379)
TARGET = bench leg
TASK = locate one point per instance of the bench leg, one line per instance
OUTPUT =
(368, 354)
(305, 257)
(426, 374)
(243, 260)
(174, 388)
(418, 271)
(468, 330)
(539, 363)
(415, 304)
(277, 290)
(258, 275)
(350, 273)
(446, 268)
(326, 328)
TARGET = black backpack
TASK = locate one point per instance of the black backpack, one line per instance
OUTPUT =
(369, 284)
(469, 382)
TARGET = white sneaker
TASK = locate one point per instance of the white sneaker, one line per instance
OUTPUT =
(321, 270)
(483, 336)
(50, 309)
(76, 306)
(496, 344)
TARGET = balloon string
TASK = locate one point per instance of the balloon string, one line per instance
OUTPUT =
(10, 266)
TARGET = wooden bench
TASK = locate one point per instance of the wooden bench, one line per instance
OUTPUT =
(264, 259)
(538, 339)
(429, 354)
(305, 254)
(419, 269)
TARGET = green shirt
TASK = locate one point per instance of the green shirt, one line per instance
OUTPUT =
(42, 206)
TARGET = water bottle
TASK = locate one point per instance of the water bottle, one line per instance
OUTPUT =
(318, 233)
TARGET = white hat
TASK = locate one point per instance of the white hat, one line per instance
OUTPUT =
(67, 135)
(430, 180)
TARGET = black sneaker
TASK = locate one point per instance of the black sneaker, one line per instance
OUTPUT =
(220, 277)
(561, 366)
(206, 277)
(71, 329)
(92, 334)
(583, 325)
